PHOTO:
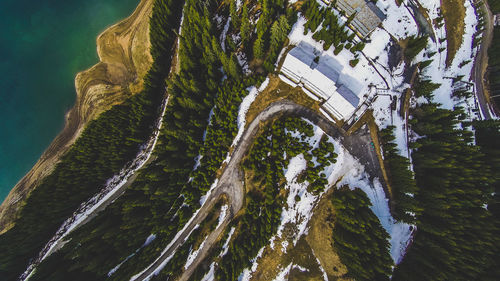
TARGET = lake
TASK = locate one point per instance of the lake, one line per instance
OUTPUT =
(43, 45)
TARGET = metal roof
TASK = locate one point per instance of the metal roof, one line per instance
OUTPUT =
(347, 94)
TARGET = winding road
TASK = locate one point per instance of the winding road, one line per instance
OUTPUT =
(481, 62)
(231, 180)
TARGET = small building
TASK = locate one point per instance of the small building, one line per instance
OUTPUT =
(320, 76)
(496, 20)
(367, 16)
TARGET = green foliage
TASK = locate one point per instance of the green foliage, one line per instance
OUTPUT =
(494, 63)
(172, 271)
(415, 46)
(104, 147)
(353, 62)
(246, 26)
(167, 191)
(359, 239)
(331, 33)
(456, 237)
(233, 12)
(401, 178)
(153, 203)
(258, 48)
(425, 88)
(279, 32)
(424, 64)
(314, 15)
(494, 6)
(267, 159)
(487, 136)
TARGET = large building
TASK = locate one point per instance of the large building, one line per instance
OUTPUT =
(318, 75)
(367, 15)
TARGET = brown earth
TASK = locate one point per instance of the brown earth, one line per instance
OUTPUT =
(320, 238)
(454, 19)
(123, 51)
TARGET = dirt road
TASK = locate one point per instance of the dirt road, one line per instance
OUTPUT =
(231, 181)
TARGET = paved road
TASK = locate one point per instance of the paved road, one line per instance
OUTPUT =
(481, 62)
(231, 181)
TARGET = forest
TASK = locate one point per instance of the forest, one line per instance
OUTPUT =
(401, 178)
(455, 174)
(445, 191)
(104, 147)
(162, 198)
(494, 66)
(328, 30)
(359, 239)
(269, 156)
(493, 71)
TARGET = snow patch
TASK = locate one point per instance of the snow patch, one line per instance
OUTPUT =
(210, 274)
(283, 273)
(224, 34)
(400, 233)
(222, 215)
(325, 276)
(244, 106)
(150, 239)
(193, 254)
(225, 247)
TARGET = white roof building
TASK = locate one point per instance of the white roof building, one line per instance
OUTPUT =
(297, 64)
(318, 75)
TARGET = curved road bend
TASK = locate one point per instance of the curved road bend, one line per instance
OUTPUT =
(231, 180)
(481, 61)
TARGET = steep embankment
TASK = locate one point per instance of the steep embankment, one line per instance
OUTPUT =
(123, 51)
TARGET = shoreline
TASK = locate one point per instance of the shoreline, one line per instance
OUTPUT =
(124, 59)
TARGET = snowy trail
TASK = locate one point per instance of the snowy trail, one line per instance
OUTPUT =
(113, 188)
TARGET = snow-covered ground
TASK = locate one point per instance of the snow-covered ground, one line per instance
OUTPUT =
(438, 71)
(369, 78)
(210, 274)
(372, 75)
(349, 171)
(358, 78)
(325, 276)
(225, 247)
(148, 241)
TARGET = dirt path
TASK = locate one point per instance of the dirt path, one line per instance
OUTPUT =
(231, 181)
(481, 62)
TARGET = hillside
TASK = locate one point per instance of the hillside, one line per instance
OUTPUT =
(278, 140)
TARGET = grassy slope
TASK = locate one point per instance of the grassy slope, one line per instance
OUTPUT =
(454, 14)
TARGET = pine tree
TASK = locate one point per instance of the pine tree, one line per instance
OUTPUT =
(246, 26)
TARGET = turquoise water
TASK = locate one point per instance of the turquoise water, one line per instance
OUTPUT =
(43, 44)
